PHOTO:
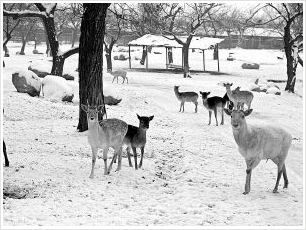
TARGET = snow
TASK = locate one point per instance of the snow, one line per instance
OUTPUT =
(192, 173)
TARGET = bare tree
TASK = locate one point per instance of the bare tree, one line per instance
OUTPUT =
(188, 20)
(292, 22)
(46, 14)
(114, 24)
(8, 27)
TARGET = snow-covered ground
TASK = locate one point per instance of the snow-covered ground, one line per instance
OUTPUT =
(192, 173)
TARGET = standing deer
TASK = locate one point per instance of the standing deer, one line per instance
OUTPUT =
(104, 134)
(186, 97)
(118, 73)
(212, 104)
(136, 138)
(256, 143)
(239, 97)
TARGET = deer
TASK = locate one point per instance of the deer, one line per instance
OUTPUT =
(239, 97)
(212, 104)
(136, 138)
(256, 143)
(186, 97)
(118, 73)
(104, 134)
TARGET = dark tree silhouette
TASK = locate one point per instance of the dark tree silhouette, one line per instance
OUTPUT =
(291, 13)
(46, 14)
(91, 58)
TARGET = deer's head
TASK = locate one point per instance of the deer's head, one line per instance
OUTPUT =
(238, 117)
(144, 121)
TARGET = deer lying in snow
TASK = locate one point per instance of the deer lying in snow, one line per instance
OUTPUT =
(104, 134)
(136, 138)
(256, 143)
(239, 98)
(186, 97)
(119, 73)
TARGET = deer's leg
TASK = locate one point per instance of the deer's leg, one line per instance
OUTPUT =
(222, 116)
(129, 156)
(135, 157)
(209, 112)
(105, 151)
(119, 159)
(113, 160)
(142, 152)
(196, 106)
(250, 165)
(7, 163)
(181, 106)
(123, 79)
(94, 157)
(127, 81)
(279, 175)
(113, 79)
(215, 112)
(286, 182)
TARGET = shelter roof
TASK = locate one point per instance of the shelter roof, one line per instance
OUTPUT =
(162, 41)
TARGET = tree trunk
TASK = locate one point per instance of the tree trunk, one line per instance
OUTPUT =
(108, 54)
(185, 51)
(6, 50)
(24, 41)
(240, 39)
(91, 58)
(291, 65)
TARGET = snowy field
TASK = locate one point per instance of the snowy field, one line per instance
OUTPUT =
(192, 173)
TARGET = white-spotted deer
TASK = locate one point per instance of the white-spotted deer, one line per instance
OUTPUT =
(212, 104)
(104, 134)
(119, 73)
(239, 98)
(136, 138)
(256, 143)
(186, 97)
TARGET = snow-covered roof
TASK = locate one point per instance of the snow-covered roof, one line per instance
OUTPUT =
(161, 41)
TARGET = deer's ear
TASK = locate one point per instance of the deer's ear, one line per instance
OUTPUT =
(151, 118)
(228, 111)
(138, 116)
(248, 112)
(100, 108)
(208, 93)
(201, 92)
(84, 107)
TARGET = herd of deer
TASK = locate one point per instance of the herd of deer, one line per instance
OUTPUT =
(255, 142)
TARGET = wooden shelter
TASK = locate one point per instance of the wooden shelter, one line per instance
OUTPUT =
(168, 42)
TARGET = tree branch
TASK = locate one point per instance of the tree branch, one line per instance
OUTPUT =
(23, 14)
(70, 52)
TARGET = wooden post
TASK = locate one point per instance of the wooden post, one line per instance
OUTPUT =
(218, 58)
(166, 57)
(203, 60)
(147, 57)
(129, 57)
